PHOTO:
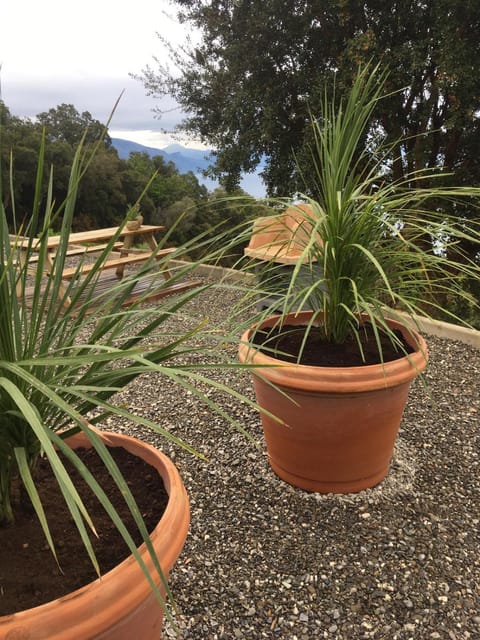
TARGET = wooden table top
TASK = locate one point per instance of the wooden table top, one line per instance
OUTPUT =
(98, 235)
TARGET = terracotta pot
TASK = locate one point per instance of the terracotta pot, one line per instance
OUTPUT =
(339, 423)
(135, 224)
(120, 605)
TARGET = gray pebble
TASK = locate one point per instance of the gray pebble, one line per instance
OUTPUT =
(258, 549)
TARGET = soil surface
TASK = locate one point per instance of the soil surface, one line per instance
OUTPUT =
(29, 575)
(287, 342)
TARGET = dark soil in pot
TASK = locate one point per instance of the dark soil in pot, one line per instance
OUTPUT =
(29, 575)
(286, 342)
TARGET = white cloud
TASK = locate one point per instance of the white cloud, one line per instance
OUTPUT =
(135, 110)
(55, 52)
(155, 139)
(99, 38)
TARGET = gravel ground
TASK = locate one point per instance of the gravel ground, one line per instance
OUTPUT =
(266, 560)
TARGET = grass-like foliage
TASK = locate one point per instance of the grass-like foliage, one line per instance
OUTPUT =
(369, 244)
(61, 365)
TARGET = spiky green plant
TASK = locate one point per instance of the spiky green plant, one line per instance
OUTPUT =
(374, 246)
(59, 362)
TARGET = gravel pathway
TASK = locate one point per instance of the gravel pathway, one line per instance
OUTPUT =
(266, 560)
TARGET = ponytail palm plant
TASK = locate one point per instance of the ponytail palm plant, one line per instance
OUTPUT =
(61, 365)
(375, 246)
(362, 250)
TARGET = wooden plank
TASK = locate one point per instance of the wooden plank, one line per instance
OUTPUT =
(67, 274)
(176, 287)
(78, 251)
(276, 253)
(89, 237)
(147, 289)
(98, 235)
(144, 290)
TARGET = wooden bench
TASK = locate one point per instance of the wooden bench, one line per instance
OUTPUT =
(121, 255)
(116, 263)
(80, 250)
(282, 238)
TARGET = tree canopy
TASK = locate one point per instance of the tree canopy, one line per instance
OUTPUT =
(66, 124)
(260, 68)
(110, 185)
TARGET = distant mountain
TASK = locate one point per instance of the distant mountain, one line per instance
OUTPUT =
(195, 160)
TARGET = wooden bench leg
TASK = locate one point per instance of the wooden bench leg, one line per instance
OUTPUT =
(152, 243)
(124, 251)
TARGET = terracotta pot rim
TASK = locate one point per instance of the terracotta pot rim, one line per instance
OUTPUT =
(334, 379)
(92, 604)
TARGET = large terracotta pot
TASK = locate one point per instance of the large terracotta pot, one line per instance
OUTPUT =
(340, 423)
(135, 223)
(120, 605)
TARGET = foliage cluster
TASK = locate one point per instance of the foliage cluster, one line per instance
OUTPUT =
(259, 67)
(110, 184)
(371, 246)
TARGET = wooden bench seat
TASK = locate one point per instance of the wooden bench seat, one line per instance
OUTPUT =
(282, 238)
(80, 250)
(274, 253)
(70, 273)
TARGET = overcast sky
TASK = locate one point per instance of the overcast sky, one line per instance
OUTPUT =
(81, 53)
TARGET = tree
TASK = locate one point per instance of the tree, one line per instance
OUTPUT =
(67, 124)
(228, 212)
(168, 187)
(18, 140)
(101, 200)
(180, 216)
(261, 67)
